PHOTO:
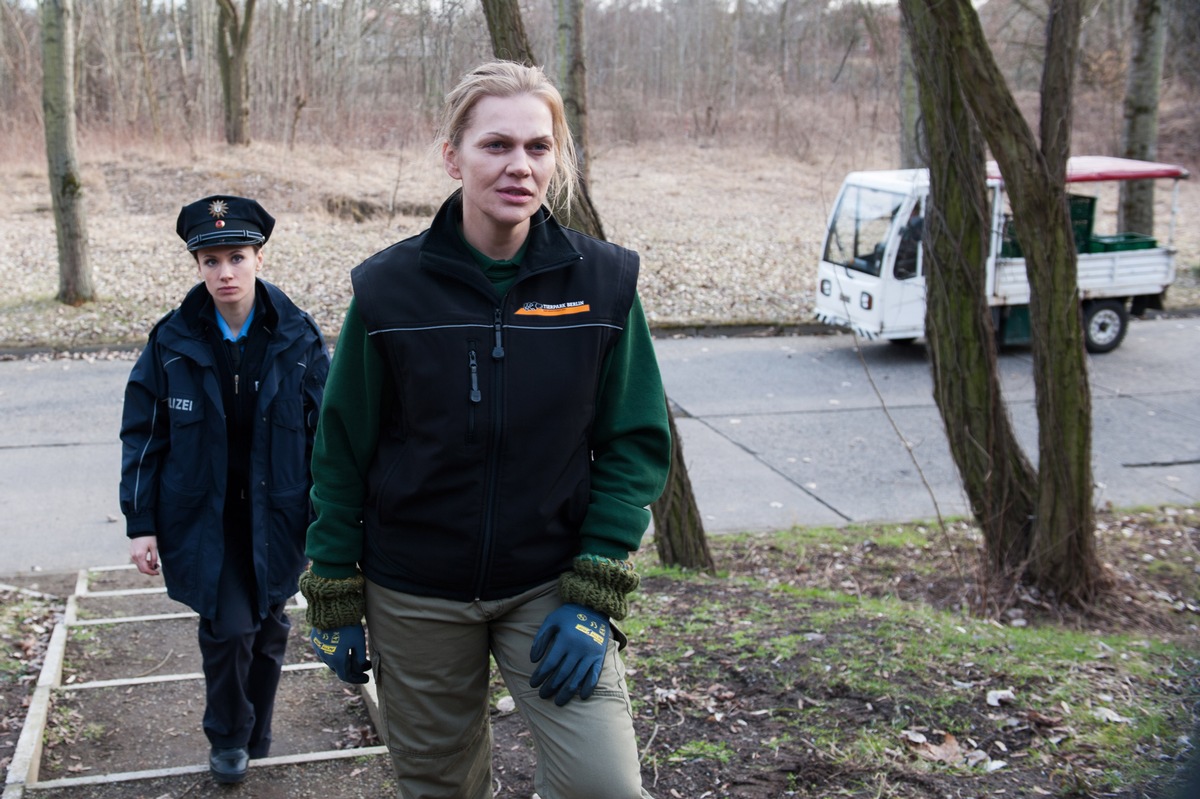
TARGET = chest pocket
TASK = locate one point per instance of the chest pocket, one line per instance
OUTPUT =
(187, 428)
(289, 462)
(186, 468)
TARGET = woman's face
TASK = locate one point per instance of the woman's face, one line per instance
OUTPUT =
(228, 273)
(504, 160)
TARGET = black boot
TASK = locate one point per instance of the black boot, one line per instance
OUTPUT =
(228, 765)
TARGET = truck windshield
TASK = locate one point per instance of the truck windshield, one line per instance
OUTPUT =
(860, 228)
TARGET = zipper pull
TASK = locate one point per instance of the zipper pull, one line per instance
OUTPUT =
(498, 350)
(475, 395)
(235, 384)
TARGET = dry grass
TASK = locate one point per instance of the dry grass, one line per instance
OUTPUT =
(728, 232)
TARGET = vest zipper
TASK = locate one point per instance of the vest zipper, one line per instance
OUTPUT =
(490, 492)
(474, 396)
(498, 350)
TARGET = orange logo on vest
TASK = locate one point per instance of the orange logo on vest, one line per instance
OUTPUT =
(562, 309)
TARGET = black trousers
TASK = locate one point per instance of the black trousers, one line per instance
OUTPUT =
(243, 655)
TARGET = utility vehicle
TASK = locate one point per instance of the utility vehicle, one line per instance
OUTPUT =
(871, 277)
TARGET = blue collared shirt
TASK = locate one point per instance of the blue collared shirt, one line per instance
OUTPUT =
(227, 334)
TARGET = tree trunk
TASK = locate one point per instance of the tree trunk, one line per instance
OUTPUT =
(233, 49)
(135, 11)
(66, 184)
(1062, 557)
(997, 477)
(1139, 137)
(572, 82)
(910, 108)
(678, 528)
(507, 31)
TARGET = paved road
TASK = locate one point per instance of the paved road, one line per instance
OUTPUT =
(776, 432)
(792, 430)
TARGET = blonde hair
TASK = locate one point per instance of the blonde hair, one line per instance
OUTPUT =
(510, 79)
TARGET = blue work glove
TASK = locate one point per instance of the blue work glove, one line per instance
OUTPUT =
(343, 649)
(577, 638)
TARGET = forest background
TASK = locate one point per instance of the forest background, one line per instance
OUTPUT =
(719, 133)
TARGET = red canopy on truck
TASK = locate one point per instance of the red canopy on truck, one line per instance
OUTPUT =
(1086, 168)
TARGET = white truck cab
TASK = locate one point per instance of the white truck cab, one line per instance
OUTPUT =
(871, 277)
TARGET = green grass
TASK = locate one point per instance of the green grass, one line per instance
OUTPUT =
(719, 752)
(16, 620)
(930, 668)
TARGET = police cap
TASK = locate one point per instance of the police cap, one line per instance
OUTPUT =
(222, 220)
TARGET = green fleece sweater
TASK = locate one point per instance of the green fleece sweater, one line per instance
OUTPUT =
(631, 414)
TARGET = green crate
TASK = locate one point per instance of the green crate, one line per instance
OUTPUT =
(1083, 215)
(1016, 328)
(1122, 242)
(1009, 246)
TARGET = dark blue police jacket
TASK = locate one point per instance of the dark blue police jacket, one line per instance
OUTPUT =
(175, 460)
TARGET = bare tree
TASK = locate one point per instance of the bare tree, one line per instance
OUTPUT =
(1139, 136)
(572, 80)
(371, 72)
(66, 184)
(997, 477)
(233, 51)
(910, 110)
(1060, 557)
(135, 10)
(678, 527)
(507, 29)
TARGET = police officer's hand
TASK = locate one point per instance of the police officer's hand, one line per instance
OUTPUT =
(343, 649)
(143, 551)
(572, 640)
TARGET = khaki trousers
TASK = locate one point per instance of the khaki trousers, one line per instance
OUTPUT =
(431, 668)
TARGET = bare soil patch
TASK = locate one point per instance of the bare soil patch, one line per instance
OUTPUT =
(93, 729)
(363, 778)
(727, 235)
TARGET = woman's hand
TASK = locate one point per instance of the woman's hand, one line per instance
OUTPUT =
(143, 551)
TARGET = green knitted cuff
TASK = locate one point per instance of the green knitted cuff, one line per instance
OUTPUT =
(599, 583)
(333, 603)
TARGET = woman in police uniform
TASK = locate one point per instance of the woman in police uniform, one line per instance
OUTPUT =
(219, 417)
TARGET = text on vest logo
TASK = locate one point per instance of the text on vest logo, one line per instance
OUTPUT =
(559, 309)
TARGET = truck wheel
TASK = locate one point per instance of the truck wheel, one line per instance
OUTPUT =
(1104, 325)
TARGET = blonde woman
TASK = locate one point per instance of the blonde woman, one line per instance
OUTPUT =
(493, 431)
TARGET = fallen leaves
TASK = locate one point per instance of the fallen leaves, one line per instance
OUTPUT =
(1111, 716)
(1002, 697)
(949, 752)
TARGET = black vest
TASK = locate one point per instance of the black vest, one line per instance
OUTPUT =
(482, 474)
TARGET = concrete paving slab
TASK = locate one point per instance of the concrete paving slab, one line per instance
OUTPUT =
(855, 461)
(736, 491)
(1184, 405)
(59, 509)
(1142, 452)
(1156, 356)
(62, 402)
